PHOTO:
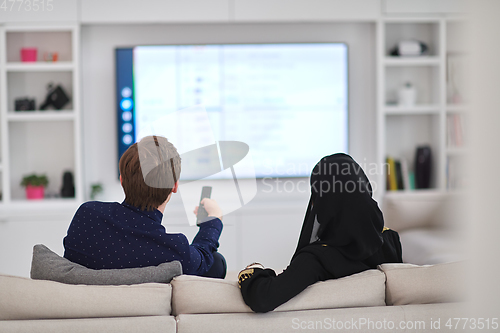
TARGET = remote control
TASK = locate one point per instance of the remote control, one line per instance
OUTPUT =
(206, 192)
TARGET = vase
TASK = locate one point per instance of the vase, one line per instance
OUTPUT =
(407, 95)
(28, 54)
(34, 192)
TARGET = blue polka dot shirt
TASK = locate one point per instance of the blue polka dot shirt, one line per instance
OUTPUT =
(113, 235)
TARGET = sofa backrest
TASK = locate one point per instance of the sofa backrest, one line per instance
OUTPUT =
(412, 284)
(193, 294)
(23, 298)
(393, 284)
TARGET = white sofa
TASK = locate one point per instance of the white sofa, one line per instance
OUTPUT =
(374, 300)
(431, 225)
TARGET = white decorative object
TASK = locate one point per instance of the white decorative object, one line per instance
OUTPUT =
(407, 95)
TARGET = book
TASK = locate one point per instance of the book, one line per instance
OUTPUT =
(392, 183)
(411, 177)
(405, 174)
(399, 175)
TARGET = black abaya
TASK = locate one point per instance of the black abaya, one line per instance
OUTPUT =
(349, 239)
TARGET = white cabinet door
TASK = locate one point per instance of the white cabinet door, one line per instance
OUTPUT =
(424, 6)
(306, 10)
(153, 11)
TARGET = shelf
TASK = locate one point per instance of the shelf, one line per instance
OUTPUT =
(39, 141)
(425, 79)
(38, 28)
(44, 203)
(39, 208)
(39, 66)
(411, 20)
(436, 80)
(411, 110)
(51, 115)
(424, 194)
(412, 61)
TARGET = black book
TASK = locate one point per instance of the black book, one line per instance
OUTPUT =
(399, 175)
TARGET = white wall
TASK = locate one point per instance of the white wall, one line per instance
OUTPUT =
(99, 42)
(484, 226)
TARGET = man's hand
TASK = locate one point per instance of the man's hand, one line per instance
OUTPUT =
(211, 207)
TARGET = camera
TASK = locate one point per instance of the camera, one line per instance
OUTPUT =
(24, 104)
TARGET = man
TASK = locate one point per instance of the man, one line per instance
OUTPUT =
(113, 235)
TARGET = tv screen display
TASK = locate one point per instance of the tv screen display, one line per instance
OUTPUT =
(287, 102)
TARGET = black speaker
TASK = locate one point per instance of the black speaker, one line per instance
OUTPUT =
(68, 187)
(423, 167)
(56, 97)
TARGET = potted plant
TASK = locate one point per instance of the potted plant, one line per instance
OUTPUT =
(35, 186)
(96, 189)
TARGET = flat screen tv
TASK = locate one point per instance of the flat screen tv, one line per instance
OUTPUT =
(288, 102)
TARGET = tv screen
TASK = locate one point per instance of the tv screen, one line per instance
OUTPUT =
(287, 102)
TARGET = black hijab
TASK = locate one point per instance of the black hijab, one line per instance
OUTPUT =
(341, 202)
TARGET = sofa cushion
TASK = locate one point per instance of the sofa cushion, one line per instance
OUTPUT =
(23, 298)
(193, 294)
(47, 265)
(374, 319)
(149, 324)
(412, 284)
(415, 209)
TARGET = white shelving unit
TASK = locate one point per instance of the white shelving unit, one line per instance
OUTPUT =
(413, 110)
(43, 67)
(411, 61)
(43, 142)
(400, 128)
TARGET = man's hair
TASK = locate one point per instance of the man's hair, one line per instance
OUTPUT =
(149, 170)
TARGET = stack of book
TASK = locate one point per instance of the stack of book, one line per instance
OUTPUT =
(399, 177)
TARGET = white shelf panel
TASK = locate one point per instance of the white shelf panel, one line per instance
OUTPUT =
(412, 61)
(38, 208)
(424, 194)
(39, 66)
(39, 28)
(44, 203)
(411, 110)
(411, 19)
(51, 115)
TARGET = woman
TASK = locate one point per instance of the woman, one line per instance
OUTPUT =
(343, 233)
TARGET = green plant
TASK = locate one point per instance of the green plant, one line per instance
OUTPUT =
(96, 189)
(35, 180)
